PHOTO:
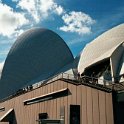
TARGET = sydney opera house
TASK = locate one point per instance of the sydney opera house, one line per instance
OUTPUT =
(42, 83)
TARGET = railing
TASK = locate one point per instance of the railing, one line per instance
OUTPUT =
(39, 84)
(112, 84)
(95, 80)
(80, 79)
(54, 78)
(86, 79)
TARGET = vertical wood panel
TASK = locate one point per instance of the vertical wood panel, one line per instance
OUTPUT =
(61, 87)
(55, 101)
(79, 99)
(30, 109)
(59, 100)
(35, 108)
(71, 98)
(84, 105)
(26, 109)
(66, 104)
(51, 102)
(95, 106)
(102, 107)
(74, 94)
(69, 101)
(109, 108)
(78, 95)
(45, 102)
(17, 110)
(89, 106)
(41, 103)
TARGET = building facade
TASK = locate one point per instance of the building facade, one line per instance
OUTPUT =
(42, 83)
(64, 100)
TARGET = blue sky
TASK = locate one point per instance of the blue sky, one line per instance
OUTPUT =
(76, 21)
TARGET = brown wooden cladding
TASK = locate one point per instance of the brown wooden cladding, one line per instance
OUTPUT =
(95, 105)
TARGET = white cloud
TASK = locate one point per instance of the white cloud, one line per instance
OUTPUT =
(10, 21)
(59, 10)
(78, 22)
(15, 0)
(40, 9)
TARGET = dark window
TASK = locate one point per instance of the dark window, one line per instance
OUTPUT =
(74, 114)
(49, 96)
(43, 116)
(118, 114)
(2, 109)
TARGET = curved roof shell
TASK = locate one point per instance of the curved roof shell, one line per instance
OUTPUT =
(101, 48)
(36, 54)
